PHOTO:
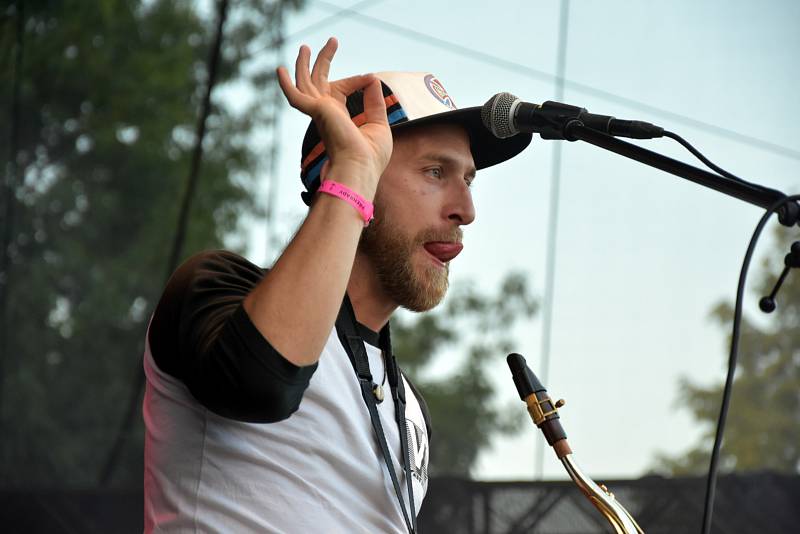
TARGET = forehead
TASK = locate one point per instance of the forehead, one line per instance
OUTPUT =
(449, 138)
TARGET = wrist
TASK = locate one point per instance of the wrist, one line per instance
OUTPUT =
(360, 179)
(362, 206)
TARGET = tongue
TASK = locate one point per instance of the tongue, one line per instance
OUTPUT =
(443, 251)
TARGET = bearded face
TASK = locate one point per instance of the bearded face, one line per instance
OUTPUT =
(409, 276)
(421, 203)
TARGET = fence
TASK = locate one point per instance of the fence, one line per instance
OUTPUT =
(762, 503)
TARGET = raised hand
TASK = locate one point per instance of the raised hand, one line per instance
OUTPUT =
(358, 155)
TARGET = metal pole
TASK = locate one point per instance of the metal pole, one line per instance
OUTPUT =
(552, 225)
(272, 242)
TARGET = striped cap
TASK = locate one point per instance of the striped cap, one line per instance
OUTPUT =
(413, 99)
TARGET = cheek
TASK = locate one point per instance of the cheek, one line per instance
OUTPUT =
(417, 208)
(409, 201)
(408, 182)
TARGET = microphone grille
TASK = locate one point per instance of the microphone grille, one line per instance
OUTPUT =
(497, 115)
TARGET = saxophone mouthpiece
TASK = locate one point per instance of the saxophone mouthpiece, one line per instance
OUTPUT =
(541, 409)
(524, 379)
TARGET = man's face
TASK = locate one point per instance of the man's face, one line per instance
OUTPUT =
(422, 201)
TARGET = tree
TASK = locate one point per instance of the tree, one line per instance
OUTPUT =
(763, 427)
(109, 97)
(109, 93)
(464, 415)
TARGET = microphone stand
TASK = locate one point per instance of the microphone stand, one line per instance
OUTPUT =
(571, 128)
(764, 197)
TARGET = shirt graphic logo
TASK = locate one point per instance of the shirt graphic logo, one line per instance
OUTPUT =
(418, 451)
(437, 90)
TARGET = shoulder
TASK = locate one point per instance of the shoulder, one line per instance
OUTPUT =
(220, 266)
(207, 275)
(203, 291)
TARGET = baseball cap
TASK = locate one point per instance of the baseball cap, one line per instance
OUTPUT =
(413, 99)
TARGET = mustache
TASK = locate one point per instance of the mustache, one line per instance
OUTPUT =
(452, 235)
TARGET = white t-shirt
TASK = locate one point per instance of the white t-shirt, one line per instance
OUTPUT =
(319, 470)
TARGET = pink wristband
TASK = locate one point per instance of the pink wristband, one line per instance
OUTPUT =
(362, 205)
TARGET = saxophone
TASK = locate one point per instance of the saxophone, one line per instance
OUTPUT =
(544, 413)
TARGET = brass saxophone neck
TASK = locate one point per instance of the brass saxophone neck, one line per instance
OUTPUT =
(544, 413)
(602, 499)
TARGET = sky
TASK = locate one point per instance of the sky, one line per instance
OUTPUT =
(642, 256)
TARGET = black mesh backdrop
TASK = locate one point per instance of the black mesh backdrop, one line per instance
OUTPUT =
(761, 503)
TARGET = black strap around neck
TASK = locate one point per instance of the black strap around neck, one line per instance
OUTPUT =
(398, 388)
(354, 346)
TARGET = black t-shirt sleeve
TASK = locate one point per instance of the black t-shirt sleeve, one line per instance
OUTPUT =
(201, 334)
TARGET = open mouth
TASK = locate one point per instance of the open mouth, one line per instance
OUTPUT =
(443, 251)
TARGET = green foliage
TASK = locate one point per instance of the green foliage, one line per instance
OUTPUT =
(464, 415)
(110, 93)
(763, 427)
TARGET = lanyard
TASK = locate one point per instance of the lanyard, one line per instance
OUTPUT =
(354, 346)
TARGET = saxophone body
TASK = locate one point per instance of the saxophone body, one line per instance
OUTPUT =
(544, 414)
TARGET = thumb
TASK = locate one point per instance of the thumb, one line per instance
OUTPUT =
(374, 104)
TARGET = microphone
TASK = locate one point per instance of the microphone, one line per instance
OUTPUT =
(505, 115)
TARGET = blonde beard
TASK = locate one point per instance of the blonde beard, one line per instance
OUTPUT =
(391, 253)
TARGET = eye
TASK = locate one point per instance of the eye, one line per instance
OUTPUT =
(436, 172)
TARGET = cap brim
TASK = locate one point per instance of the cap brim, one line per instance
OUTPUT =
(487, 150)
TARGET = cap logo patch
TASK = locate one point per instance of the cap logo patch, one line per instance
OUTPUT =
(438, 91)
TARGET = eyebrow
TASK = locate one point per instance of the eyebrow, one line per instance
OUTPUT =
(448, 160)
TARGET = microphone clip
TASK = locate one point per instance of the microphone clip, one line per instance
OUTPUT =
(555, 120)
(791, 260)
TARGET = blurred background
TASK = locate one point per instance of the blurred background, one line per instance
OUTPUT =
(136, 133)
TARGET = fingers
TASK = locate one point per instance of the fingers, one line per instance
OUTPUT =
(298, 93)
(345, 86)
(322, 65)
(374, 105)
(295, 98)
(311, 89)
(301, 71)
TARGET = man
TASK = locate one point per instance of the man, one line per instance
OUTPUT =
(266, 407)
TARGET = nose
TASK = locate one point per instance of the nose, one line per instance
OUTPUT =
(460, 208)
